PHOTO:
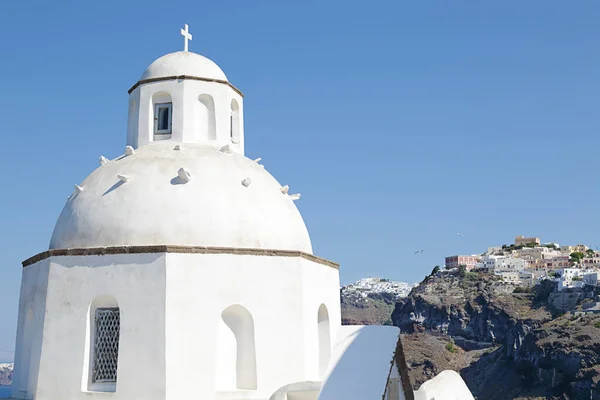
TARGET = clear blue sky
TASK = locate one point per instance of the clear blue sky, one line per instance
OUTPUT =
(401, 123)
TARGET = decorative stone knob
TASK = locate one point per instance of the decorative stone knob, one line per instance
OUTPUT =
(184, 175)
(123, 178)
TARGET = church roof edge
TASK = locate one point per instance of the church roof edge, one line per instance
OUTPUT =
(99, 251)
(188, 77)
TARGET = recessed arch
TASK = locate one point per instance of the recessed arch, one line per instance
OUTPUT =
(204, 118)
(324, 339)
(234, 122)
(103, 333)
(237, 351)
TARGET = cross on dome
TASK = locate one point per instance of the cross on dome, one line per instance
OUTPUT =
(186, 36)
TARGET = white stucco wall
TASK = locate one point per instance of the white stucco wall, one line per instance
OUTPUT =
(137, 282)
(174, 341)
(187, 126)
(30, 324)
(361, 361)
(282, 294)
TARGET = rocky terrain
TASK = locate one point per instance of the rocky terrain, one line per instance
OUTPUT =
(370, 301)
(6, 371)
(506, 345)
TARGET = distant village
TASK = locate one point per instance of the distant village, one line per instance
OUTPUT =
(528, 261)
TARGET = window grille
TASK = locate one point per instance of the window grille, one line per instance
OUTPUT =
(106, 345)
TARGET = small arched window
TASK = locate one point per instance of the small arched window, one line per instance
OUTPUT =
(104, 331)
(162, 116)
(106, 344)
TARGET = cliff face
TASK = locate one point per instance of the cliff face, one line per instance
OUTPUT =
(370, 301)
(478, 309)
(519, 350)
(6, 372)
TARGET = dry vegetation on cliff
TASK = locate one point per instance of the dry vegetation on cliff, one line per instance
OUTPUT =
(520, 346)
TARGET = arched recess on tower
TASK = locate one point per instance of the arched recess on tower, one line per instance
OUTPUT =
(234, 122)
(324, 340)
(204, 116)
(236, 362)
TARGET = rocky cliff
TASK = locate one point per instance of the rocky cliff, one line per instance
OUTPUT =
(476, 308)
(519, 346)
(370, 301)
(6, 371)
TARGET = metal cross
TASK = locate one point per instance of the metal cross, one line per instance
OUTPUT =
(186, 36)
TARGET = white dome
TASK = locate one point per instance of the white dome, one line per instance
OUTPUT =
(155, 207)
(184, 63)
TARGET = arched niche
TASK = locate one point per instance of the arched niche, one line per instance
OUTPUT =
(324, 339)
(204, 118)
(234, 122)
(236, 354)
(103, 333)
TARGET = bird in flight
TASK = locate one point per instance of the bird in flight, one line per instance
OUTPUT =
(419, 251)
(460, 234)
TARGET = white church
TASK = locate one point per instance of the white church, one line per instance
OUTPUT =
(183, 270)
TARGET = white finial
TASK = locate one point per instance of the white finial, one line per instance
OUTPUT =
(123, 178)
(103, 160)
(78, 189)
(186, 36)
(285, 189)
(246, 182)
(257, 161)
(295, 197)
(184, 175)
(129, 150)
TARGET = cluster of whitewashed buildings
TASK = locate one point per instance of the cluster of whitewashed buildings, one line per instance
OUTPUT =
(528, 260)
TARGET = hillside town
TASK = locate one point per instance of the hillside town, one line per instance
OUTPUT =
(528, 261)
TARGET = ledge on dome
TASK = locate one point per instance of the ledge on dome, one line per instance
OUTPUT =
(176, 249)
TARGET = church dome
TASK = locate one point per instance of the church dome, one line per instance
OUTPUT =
(184, 63)
(230, 201)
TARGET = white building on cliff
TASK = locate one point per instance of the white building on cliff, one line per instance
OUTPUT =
(182, 269)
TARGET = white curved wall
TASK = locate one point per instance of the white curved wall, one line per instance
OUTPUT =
(201, 113)
(213, 209)
(284, 311)
(30, 326)
(59, 366)
(173, 310)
